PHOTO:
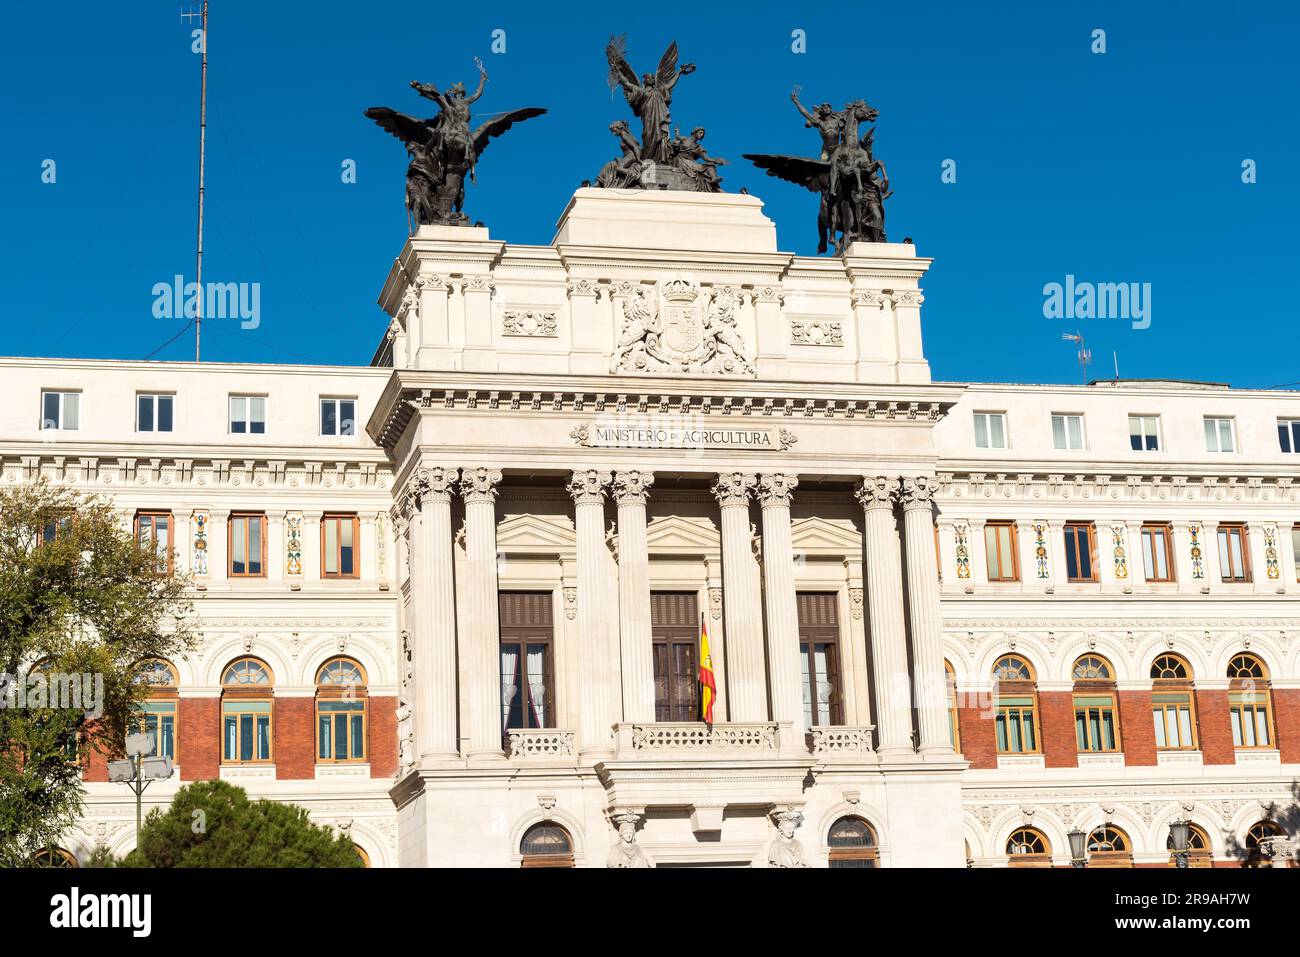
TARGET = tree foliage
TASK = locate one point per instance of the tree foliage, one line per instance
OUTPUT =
(79, 596)
(214, 824)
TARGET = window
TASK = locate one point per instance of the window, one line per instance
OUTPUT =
(153, 412)
(1108, 846)
(1250, 702)
(247, 414)
(55, 857)
(338, 416)
(1080, 552)
(1028, 847)
(852, 843)
(1095, 727)
(246, 709)
(819, 650)
(674, 630)
(1000, 551)
(1259, 843)
(56, 526)
(1144, 433)
(1173, 704)
(950, 683)
(1067, 432)
(158, 716)
(247, 546)
(61, 410)
(1157, 552)
(526, 660)
(546, 845)
(1234, 558)
(1288, 435)
(1219, 435)
(1199, 853)
(340, 712)
(990, 430)
(338, 546)
(153, 530)
(362, 855)
(1016, 724)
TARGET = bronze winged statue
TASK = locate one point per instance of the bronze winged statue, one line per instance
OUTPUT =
(851, 182)
(443, 149)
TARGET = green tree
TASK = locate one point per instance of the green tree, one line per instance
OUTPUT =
(79, 596)
(214, 824)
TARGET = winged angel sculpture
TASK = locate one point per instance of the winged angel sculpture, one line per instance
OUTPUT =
(443, 149)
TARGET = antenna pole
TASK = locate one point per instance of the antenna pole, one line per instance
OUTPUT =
(203, 135)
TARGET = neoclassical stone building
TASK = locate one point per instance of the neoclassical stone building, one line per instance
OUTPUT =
(949, 623)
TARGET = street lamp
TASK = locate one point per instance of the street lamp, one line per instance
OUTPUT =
(138, 772)
(1078, 855)
(1179, 837)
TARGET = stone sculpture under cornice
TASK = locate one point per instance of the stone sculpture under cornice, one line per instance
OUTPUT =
(627, 852)
(785, 850)
(677, 338)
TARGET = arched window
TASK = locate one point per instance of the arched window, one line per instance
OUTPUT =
(1095, 726)
(950, 686)
(1017, 696)
(1173, 703)
(852, 843)
(546, 845)
(1028, 847)
(158, 717)
(1259, 850)
(1199, 853)
(1108, 846)
(55, 857)
(1250, 702)
(340, 712)
(361, 853)
(247, 706)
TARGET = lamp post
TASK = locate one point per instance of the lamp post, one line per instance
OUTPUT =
(1078, 851)
(1179, 839)
(137, 771)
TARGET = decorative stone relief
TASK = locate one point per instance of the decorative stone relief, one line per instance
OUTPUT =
(626, 852)
(817, 332)
(1197, 554)
(715, 603)
(668, 329)
(293, 543)
(529, 323)
(785, 850)
(199, 564)
(776, 488)
(570, 602)
(381, 545)
(961, 532)
(1119, 540)
(1043, 569)
(855, 603)
(1270, 553)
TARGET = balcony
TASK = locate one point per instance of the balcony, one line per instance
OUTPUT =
(695, 740)
(841, 741)
(540, 744)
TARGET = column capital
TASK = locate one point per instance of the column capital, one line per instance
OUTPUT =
(919, 491)
(877, 491)
(776, 488)
(433, 484)
(587, 486)
(480, 485)
(734, 488)
(632, 487)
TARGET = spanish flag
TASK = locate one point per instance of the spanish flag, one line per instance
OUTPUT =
(708, 686)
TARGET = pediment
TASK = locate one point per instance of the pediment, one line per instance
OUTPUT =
(822, 535)
(673, 533)
(530, 532)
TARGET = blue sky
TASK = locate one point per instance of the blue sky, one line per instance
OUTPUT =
(1117, 167)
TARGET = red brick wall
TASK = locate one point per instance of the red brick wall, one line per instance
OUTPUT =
(979, 742)
(1056, 723)
(1214, 727)
(1136, 728)
(198, 738)
(295, 738)
(382, 746)
(95, 767)
(1286, 719)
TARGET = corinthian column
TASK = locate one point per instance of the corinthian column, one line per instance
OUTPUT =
(427, 499)
(630, 489)
(599, 698)
(884, 577)
(481, 643)
(741, 602)
(930, 680)
(774, 492)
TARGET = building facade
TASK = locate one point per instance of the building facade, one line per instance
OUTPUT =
(948, 623)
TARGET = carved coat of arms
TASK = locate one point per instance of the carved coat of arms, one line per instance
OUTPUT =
(676, 328)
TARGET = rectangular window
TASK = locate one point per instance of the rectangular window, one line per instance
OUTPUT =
(1000, 549)
(56, 526)
(1144, 433)
(153, 530)
(1067, 432)
(1219, 435)
(247, 414)
(153, 412)
(1288, 435)
(338, 416)
(246, 731)
(527, 670)
(338, 546)
(990, 430)
(340, 730)
(1080, 552)
(819, 642)
(1016, 728)
(1250, 720)
(159, 723)
(1234, 558)
(1157, 552)
(61, 411)
(1094, 722)
(1175, 727)
(674, 631)
(247, 546)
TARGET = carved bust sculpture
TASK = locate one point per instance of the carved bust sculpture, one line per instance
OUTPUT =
(627, 853)
(785, 850)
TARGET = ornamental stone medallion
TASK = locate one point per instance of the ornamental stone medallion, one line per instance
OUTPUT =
(674, 327)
